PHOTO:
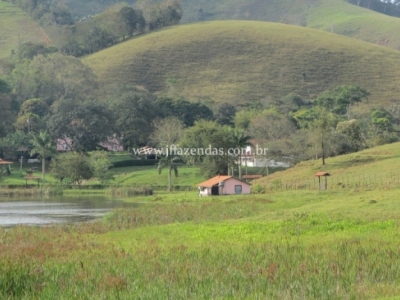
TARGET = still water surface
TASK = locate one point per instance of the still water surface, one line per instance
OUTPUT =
(36, 211)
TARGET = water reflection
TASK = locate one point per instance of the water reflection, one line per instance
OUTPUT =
(32, 211)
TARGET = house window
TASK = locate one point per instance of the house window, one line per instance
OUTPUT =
(238, 189)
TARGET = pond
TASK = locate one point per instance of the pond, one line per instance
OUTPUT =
(46, 211)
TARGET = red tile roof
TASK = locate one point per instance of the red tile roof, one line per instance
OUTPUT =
(322, 174)
(251, 176)
(3, 162)
(213, 181)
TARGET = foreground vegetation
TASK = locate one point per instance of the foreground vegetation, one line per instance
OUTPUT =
(296, 244)
(277, 246)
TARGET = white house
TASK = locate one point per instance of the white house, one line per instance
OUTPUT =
(251, 159)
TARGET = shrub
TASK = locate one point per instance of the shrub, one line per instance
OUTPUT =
(258, 189)
(135, 163)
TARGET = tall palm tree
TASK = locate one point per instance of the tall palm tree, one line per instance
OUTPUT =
(241, 141)
(170, 162)
(43, 145)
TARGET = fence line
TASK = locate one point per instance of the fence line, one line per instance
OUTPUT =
(340, 182)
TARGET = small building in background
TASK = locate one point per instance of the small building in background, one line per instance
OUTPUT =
(251, 159)
(111, 144)
(223, 185)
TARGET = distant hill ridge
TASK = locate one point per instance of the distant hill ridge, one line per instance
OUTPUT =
(244, 61)
(336, 16)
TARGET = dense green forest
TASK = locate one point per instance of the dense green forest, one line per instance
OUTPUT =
(47, 89)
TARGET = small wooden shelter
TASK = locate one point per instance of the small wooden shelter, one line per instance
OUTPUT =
(325, 185)
(6, 163)
(31, 178)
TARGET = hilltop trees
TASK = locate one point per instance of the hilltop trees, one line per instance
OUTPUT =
(132, 20)
(163, 13)
(115, 25)
(46, 12)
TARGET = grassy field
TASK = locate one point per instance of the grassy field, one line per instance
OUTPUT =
(292, 245)
(336, 16)
(17, 28)
(240, 62)
(296, 244)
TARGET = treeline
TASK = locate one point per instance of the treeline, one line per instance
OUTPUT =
(49, 91)
(118, 23)
(93, 33)
(58, 93)
(388, 7)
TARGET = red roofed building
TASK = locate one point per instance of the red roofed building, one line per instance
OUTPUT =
(223, 185)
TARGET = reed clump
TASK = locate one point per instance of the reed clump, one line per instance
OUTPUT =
(130, 191)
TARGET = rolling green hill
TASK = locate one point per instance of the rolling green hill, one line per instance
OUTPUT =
(245, 61)
(336, 16)
(17, 27)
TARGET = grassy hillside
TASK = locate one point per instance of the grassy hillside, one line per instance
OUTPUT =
(370, 169)
(17, 28)
(240, 61)
(329, 15)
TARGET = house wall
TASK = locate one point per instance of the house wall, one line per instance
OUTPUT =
(229, 188)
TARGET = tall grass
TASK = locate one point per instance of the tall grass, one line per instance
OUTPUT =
(212, 249)
(348, 269)
(129, 191)
(160, 214)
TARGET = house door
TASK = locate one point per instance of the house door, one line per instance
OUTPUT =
(238, 189)
(215, 190)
